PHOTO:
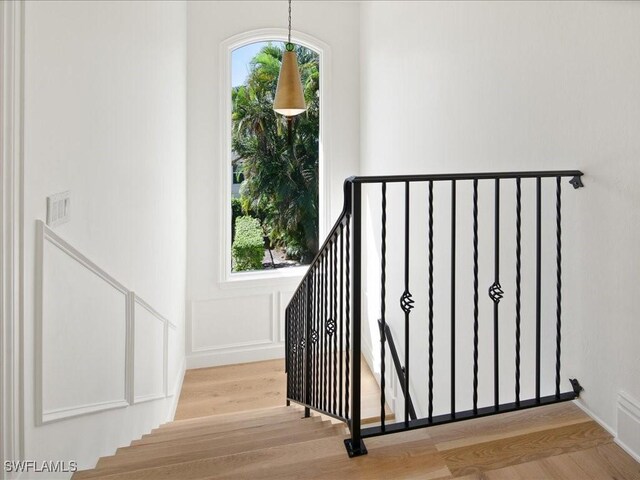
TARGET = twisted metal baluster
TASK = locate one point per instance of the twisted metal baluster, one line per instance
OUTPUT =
(558, 282)
(475, 296)
(430, 300)
(518, 281)
(325, 340)
(335, 315)
(383, 294)
(316, 344)
(341, 315)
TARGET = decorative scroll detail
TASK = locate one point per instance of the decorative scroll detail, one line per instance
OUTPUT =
(294, 348)
(331, 327)
(302, 344)
(314, 336)
(406, 302)
(495, 292)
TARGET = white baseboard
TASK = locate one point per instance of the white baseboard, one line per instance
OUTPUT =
(628, 424)
(632, 450)
(229, 357)
(580, 404)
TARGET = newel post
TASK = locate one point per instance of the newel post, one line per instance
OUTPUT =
(355, 446)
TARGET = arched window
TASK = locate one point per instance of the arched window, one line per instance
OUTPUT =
(273, 195)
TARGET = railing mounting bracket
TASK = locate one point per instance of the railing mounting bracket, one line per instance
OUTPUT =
(575, 384)
(355, 452)
(576, 181)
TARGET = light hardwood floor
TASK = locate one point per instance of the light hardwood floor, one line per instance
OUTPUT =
(231, 423)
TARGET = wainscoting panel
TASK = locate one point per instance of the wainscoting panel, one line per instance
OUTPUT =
(149, 352)
(283, 300)
(81, 334)
(231, 323)
(628, 424)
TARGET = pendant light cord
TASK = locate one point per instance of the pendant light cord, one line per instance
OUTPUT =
(289, 44)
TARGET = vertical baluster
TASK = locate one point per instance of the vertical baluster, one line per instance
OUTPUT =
(347, 413)
(297, 346)
(496, 295)
(290, 375)
(335, 323)
(383, 295)
(324, 332)
(558, 282)
(453, 298)
(341, 319)
(287, 370)
(303, 302)
(329, 320)
(300, 353)
(320, 333)
(475, 296)
(538, 281)
(430, 300)
(292, 350)
(295, 352)
(406, 302)
(329, 325)
(316, 346)
(518, 282)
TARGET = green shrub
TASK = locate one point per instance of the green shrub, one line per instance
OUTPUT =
(236, 211)
(248, 245)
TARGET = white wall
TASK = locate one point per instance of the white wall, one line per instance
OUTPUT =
(463, 87)
(243, 321)
(105, 118)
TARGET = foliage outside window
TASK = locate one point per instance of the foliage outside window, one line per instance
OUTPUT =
(277, 162)
(248, 244)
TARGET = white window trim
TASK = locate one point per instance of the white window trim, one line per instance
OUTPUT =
(227, 278)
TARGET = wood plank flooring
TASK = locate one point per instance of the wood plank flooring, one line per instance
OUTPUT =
(231, 423)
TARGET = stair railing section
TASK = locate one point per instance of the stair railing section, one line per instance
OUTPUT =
(322, 373)
(324, 316)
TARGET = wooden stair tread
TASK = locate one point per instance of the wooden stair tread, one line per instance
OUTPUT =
(198, 432)
(134, 464)
(212, 440)
(229, 417)
(556, 441)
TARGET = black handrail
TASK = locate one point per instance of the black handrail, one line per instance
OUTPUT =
(323, 318)
(399, 368)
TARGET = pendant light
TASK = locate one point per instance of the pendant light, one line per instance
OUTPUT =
(289, 100)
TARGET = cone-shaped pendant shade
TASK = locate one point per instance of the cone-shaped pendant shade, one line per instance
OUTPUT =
(289, 99)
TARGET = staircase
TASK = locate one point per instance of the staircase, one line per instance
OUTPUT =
(215, 446)
(262, 441)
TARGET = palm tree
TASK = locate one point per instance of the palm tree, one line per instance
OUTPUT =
(281, 176)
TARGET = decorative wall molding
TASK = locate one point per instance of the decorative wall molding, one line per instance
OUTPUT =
(283, 300)
(628, 424)
(11, 230)
(225, 308)
(233, 356)
(165, 352)
(47, 236)
(132, 302)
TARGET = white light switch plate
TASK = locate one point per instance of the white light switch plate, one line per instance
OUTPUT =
(58, 208)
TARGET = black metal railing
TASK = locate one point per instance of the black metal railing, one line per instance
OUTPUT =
(324, 317)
